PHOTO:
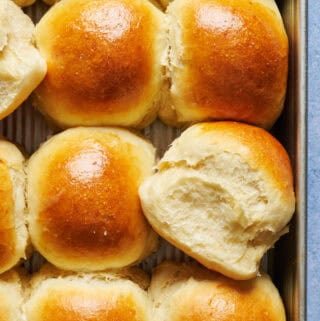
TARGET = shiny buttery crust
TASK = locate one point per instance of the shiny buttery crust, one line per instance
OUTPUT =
(101, 296)
(84, 209)
(104, 62)
(228, 61)
(188, 292)
(21, 66)
(13, 231)
(223, 193)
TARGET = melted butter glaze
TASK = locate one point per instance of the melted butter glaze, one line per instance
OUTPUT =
(236, 61)
(90, 204)
(99, 57)
(86, 305)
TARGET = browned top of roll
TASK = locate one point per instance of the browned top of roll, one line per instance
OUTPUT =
(74, 304)
(256, 144)
(102, 61)
(87, 214)
(102, 296)
(182, 292)
(235, 59)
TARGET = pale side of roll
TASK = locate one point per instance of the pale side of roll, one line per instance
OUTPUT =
(21, 66)
(11, 297)
(13, 231)
(223, 194)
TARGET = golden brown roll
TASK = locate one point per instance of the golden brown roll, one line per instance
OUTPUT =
(24, 3)
(223, 194)
(228, 61)
(182, 292)
(10, 297)
(118, 296)
(13, 231)
(104, 62)
(82, 192)
(21, 66)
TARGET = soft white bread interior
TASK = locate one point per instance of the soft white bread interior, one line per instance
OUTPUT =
(84, 208)
(13, 231)
(223, 194)
(21, 66)
(188, 292)
(228, 60)
(11, 297)
(4, 24)
(118, 83)
(114, 295)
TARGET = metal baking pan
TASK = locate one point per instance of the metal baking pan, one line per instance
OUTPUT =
(286, 263)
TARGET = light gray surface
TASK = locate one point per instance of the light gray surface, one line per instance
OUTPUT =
(313, 233)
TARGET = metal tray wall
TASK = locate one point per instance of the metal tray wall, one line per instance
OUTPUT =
(286, 263)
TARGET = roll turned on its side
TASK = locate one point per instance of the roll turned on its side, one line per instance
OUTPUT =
(223, 193)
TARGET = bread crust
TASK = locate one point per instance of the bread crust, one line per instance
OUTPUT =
(104, 62)
(228, 61)
(223, 194)
(83, 199)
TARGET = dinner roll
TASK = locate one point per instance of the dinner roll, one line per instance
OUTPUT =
(117, 296)
(224, 194)
(10, 297)
(104, 62)
(24, 3)
(13, 231)
(165, 3)
(182, 292)
(83, 199)
(21, 66)
(228, 61)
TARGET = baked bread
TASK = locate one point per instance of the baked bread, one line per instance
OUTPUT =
(52, 2)
(105, 296)
(13, 231)
(187, 292)
(165, 3)
(228, 61)
(21, 66)
(114, 77)
(10, 297)
(223, 194)
(82, 192)
(24, 3)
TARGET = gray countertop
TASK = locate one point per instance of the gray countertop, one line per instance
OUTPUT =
(313, 232)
